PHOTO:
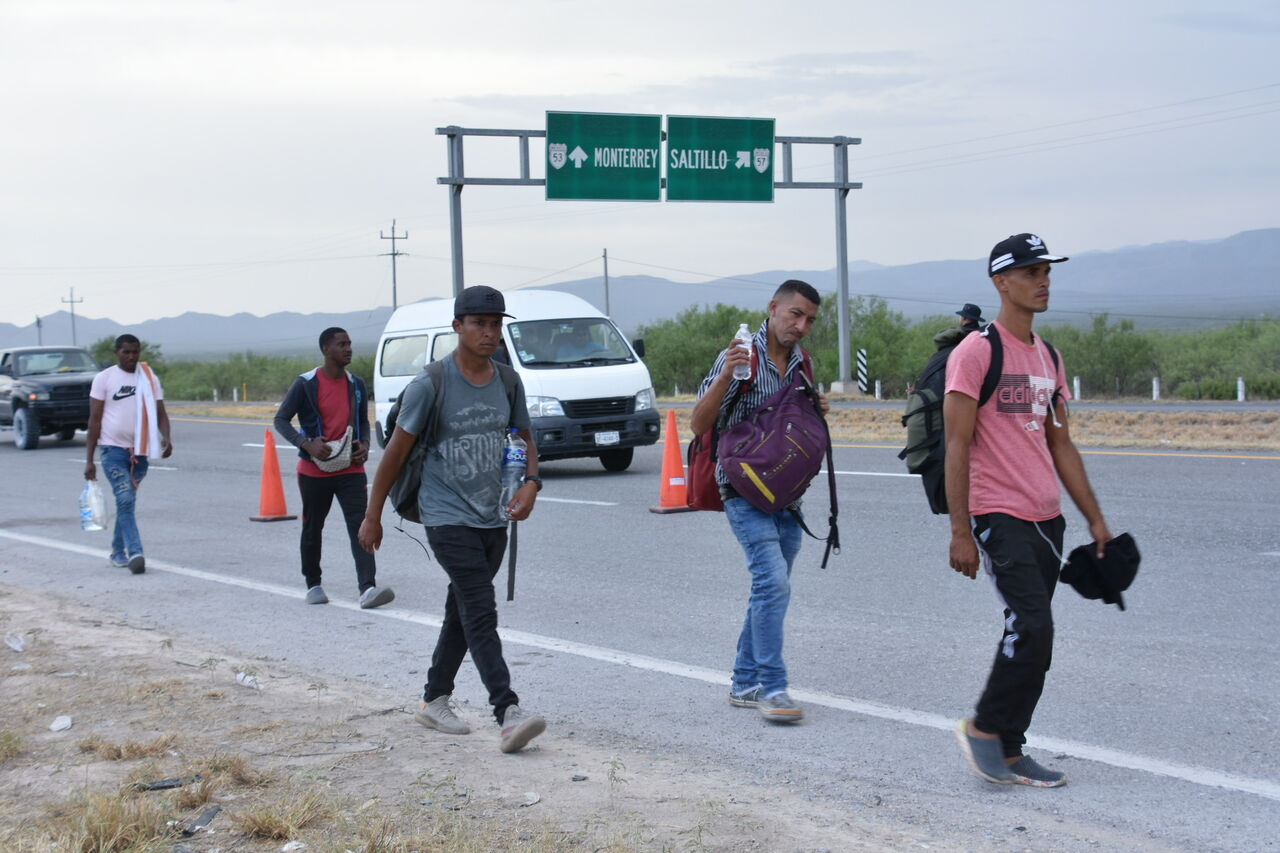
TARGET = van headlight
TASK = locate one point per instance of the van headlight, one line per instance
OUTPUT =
(544, 407)
(644, 400)
(35, 396)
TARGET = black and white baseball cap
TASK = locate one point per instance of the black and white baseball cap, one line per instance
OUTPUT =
(1020, 250)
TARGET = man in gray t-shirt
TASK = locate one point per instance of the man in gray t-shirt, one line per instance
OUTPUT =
(461, 474)
(460, 504)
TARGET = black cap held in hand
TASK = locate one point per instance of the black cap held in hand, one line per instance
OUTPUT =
(1105, 578)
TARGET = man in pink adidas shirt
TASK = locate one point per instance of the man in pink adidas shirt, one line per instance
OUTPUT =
(1003, 463)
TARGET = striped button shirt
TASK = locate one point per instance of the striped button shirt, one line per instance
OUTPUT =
(767, 383)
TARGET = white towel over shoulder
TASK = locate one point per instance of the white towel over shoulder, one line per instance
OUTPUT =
(146, 424)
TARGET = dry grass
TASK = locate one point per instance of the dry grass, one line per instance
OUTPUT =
(103, 823)
(105, 750)
(1209, 430)
(1251, 430)
(234, 770)
(11, 745)
(193, 796)
(284, 813)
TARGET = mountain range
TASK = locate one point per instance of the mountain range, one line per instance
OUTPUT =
(1173, 285)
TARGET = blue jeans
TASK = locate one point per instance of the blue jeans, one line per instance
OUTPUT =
(126, 542)
(771, 542)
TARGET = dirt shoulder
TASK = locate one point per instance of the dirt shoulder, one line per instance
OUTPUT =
(336, 765)
(1250, 430)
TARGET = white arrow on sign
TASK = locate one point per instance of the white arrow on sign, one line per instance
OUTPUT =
(577, 155)
(744, 159)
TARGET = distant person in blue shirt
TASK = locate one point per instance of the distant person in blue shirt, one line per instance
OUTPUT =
(579, 345)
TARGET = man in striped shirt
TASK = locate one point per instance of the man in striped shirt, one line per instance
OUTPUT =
(771, 541)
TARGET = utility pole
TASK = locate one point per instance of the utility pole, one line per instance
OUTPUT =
(72, 302)
(39, 331)
(606, 284)
(394, 254)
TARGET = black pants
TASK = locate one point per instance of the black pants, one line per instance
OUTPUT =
(1020, 555)
(471, 557)
(317, 497)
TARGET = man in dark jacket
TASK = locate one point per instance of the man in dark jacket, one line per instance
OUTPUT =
(332, 406)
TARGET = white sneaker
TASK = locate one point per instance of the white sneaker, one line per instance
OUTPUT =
(315, 595)
(438, 714)
(376, 596)
(519, 727)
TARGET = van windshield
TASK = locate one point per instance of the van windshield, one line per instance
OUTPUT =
(558, 344)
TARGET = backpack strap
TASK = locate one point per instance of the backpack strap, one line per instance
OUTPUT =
(833, 530)
(995, 368)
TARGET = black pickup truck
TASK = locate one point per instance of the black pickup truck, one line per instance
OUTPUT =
(45, 390)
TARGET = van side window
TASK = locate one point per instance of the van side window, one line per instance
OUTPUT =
(404, 356)
(444, 344)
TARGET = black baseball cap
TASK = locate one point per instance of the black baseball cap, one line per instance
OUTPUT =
(480, 299)
(971, 312)
(1020, 250)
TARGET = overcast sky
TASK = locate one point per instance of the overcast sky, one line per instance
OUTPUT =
(230, 156)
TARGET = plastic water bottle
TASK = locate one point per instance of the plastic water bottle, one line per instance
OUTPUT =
(515, 459)
(744, 337)
(90, 506)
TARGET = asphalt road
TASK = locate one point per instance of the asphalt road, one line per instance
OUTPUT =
(1165, 715)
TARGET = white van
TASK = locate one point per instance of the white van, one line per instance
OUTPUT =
(589, 394)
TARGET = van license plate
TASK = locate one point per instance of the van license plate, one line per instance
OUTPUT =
(610, 437)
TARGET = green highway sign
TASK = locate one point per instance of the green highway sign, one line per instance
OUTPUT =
(719, 159)
(604, 156)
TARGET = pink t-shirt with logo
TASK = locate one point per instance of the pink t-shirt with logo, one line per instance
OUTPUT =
(118, 388)
(1010, 468)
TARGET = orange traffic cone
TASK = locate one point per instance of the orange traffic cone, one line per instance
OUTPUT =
(271, 500)
(673, 496)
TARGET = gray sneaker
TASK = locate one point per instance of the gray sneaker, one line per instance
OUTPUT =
(315, 595)
(519, 727)
(137, 564)
(1027, 771)
(438, 714)
(376, 596)
(780, 708)
(985, 755)
(748, 699)
(118, 562)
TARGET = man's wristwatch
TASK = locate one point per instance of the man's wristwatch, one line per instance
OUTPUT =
(536, 480)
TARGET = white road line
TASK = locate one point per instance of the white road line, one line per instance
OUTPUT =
(871, 473)
(542, 499)
(1271, 553)
(149, 467)
(1114, 757)
(260, 445)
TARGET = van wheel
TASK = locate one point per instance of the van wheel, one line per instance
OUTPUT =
(66, 433)
(26, 429)
(617, 460)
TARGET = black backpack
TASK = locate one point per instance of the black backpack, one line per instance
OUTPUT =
(926, 450)
(404, 491)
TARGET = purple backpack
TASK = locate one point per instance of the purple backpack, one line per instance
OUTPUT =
(771, 456)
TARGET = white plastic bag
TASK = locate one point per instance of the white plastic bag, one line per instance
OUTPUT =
(93, 510)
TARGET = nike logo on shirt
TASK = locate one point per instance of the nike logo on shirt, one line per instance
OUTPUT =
(125, 391)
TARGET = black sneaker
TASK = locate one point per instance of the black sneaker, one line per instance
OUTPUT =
(1027, 771)
(985, 756)
(137, 564)
(749, 699)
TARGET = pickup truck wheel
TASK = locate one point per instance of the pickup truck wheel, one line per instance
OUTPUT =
(26, 429)
(66, 433)
(617, 460)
